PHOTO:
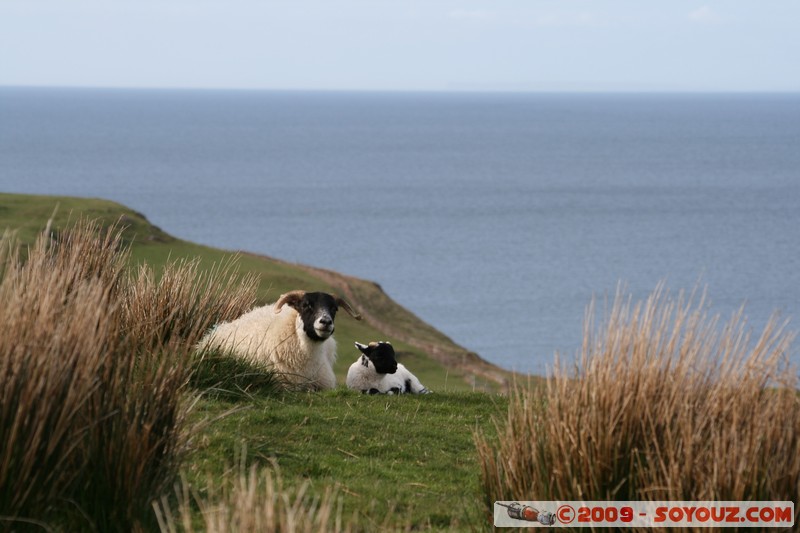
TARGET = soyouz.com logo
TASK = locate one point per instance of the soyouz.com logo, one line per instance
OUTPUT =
(643, 514)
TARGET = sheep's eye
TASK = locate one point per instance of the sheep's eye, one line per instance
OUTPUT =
(306, 305)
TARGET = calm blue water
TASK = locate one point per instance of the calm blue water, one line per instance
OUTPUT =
(493, 217)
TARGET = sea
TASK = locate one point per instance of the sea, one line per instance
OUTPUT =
(495, 217)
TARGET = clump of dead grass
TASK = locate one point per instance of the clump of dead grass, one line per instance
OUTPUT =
(256, 501)
(662, 404)
(94, 366)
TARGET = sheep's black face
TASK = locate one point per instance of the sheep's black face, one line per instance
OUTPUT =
(382, 356)
(317, 311)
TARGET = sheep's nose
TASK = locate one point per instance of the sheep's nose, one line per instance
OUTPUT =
(325, 321)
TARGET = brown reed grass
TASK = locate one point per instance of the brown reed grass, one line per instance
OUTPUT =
(93, 374)
(663, 404)
(185, 301)
(255, 502)
(56, 332)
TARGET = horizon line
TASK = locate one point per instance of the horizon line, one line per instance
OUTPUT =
(447, 90)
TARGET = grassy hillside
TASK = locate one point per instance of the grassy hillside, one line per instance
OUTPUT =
(437, 360)
(111, 420)
(389, 461)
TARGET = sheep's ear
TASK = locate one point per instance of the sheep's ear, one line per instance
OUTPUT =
(341, 302)
(292, 298)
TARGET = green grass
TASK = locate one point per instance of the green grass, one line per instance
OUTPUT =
(411, 457)
(225, 377)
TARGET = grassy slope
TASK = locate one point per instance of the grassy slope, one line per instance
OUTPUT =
(438, 361)
(409, 458)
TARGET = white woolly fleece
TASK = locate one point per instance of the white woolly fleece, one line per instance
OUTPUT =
(279, 341)
(404, 380)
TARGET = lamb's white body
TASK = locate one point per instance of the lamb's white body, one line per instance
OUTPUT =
(278, 340)
(404, 380)
(362, 376)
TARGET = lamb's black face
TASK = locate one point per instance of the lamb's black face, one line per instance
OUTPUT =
(317, 311)
(382, 356)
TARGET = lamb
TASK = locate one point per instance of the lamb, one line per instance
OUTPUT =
(293, 336)
(378, 372)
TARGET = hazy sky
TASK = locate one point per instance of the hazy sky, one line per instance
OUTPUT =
(574, 45)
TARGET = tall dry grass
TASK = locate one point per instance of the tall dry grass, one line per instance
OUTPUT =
(93, 371)
(663, 404)
(255, 502)
(185, 301)
(56, 334)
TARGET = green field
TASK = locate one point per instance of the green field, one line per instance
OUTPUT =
(397, 461)
(409, 458)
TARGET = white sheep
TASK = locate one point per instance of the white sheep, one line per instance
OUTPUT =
(293, 336)
(378, 372)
